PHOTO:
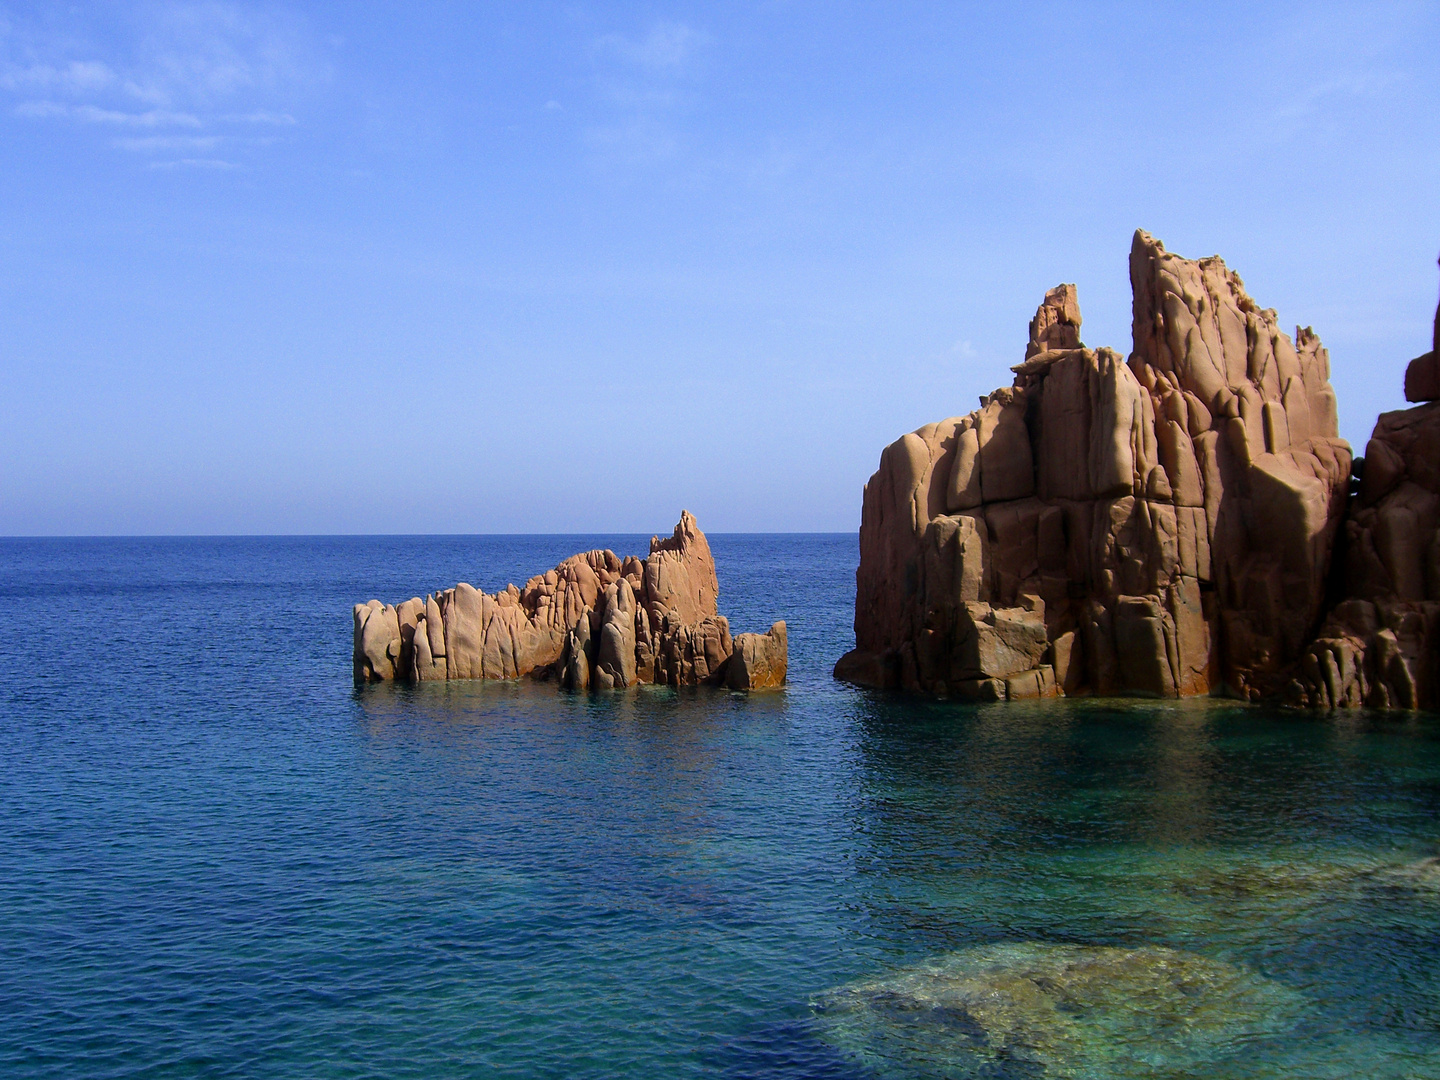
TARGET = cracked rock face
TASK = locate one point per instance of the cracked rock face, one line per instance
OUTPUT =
(759, 660)
(596, 621)
(1381, 645)
(1161, 525)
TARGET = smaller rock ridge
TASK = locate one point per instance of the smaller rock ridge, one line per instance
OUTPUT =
(595, 622)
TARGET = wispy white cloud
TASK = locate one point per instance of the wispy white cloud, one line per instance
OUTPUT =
(194, 163)
(211, 52)
(635, 140)
(168, 142)
(278, 119)
(76, 77)
(665, 46)
(93, 114)
(38, 110)
(647, 81)
(1338, 91)
(179, 65)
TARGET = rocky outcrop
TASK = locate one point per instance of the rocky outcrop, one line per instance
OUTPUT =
(1380, 646)
(1160, 525)
(594, 622)
(759, 660)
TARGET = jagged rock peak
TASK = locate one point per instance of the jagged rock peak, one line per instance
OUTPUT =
(1056, 324)
(680, 574)
(1195, 323)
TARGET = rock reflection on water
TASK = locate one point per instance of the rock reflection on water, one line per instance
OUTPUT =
(1057, 1010)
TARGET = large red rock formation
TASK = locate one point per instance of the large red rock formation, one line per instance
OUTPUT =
(1161, 525)
(595, 621)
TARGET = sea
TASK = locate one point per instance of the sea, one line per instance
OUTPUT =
(219, 858)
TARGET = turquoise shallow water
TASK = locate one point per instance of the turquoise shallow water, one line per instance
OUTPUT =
(220, 859)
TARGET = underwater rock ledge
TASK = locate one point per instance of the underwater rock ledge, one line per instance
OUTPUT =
(596, 621)
(1033, 1008)
(1163, 525)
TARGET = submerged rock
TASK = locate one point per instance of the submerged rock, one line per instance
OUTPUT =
(1422, 876)
(596, 621)
(1060, 1010)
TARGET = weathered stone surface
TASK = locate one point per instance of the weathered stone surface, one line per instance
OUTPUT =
(1036, 683)
(1422, 378)
(692, 654)
(615, 663)
(679, 574)
(1057, 322)
(377, 642)
(1381, 645)
(1165, 524)
(578, 659)
(759, 661)
(997, 642)
(595, 622)
(981, 690)
(866, 669)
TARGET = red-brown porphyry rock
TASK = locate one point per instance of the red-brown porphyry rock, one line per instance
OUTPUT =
(595, 621)
(1159, 526)
(759, 660)
(1380, 646)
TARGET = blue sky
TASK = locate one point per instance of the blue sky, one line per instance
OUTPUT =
(570, 267)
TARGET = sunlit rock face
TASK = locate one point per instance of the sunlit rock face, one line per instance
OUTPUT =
(596, 621)
(759, 660)
(1028, 1008)
(1161, 525)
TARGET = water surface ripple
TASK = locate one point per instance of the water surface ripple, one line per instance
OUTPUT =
(220, 859)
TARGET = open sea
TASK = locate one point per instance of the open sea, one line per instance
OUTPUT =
(218, 858)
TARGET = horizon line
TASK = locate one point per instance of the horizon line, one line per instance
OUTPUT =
(390, 536)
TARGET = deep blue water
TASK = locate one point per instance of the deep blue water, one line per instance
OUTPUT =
(218, 858)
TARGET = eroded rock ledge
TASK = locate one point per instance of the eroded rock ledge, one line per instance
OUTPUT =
(1161, 525)
(594, 622)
